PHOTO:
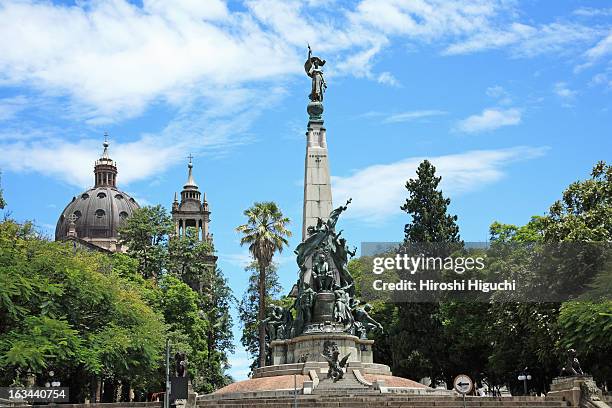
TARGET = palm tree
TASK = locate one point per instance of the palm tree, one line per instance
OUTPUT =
(265, 232)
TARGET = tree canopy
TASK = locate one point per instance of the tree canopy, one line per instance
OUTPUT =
(92, 317)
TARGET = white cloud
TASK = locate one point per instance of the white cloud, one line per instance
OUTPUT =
(110, 60)
(241, 259)
(498, 92)
(73, 162)
(412, 115)
(603, 78)
(212, 131)
(388, 79)
(9, 107)
(490, 119)
(128, 57)
(524, 40)
(593, 12)
(563, 91)
(240, 364)
(601, 49)
(378, 190)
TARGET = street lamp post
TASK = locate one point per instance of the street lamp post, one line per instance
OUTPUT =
(524, 377)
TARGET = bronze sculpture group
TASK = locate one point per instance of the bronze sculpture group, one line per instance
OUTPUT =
(322, 259)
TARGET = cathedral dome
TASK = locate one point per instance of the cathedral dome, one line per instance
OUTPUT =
(96, 215)
(99, 212)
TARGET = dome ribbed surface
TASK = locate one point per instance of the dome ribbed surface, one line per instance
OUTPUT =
(100, 212)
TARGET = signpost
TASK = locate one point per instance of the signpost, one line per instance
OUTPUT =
(167, 393)
(463, 384)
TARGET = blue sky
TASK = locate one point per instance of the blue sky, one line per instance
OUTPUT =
(510, 100)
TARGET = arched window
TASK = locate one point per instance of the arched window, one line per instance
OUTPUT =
(101, 195)
(100, 213)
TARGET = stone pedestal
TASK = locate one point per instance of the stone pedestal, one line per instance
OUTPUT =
(579, 391)
(308, 348)
(324, 308)
(317, 185)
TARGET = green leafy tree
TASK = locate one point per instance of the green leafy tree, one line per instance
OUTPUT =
(145, 234)
(194, 262)
(587, 327)
(265, 232)
(67, 311)
(248, 308)
(584, 214)
(585, 211)
(537, 334)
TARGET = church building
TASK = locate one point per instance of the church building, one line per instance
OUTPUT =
(93, 218)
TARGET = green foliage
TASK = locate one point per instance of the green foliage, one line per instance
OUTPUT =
(496, 341)
(265, 232)
(537, 334)
(248, 308)
(2, 202)
(428, 209)
(90, 316)
(420, 347)
(66, 311)
(192, 260)
(587, 328)
(585, 211)
(145, 234)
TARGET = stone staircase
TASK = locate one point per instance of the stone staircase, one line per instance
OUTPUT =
(351, 399)
(348, 384)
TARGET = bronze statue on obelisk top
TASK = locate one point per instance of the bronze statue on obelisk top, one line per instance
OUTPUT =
(312, 68)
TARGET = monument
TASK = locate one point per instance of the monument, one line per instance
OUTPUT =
(318, 351)
(319, 345)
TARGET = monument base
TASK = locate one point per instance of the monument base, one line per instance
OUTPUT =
(308, 348)
(579, 391)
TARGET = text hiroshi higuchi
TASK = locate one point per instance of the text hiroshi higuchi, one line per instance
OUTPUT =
(428, 285)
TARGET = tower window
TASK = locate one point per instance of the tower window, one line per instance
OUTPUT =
(78, 214)
(123, 215)
(100, 213)
(85, 196)
(119, 197)
(101, 195)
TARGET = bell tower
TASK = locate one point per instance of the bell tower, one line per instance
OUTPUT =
(192, 210)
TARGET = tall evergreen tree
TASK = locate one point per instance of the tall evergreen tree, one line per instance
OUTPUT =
(428, 209)
(419, 348)
(265, 232)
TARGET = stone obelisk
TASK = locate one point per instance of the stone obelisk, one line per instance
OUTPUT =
(317, 185)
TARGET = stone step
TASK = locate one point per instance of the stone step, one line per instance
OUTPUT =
(384, 400)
